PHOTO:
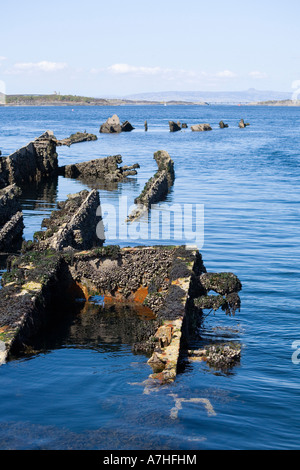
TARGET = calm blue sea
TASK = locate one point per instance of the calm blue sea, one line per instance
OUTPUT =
(87, 393)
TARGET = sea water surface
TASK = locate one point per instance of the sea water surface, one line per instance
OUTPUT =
(84, 389)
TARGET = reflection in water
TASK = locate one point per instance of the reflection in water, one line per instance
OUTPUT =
(43, 194)
(92, 326)
(3, 259)
(96, 183)
(38, 200)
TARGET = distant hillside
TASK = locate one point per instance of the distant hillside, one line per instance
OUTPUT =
(42, 100)
(276, 103)
(73, 100)
(213, 97)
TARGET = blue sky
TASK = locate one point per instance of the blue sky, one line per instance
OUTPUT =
(101, 48)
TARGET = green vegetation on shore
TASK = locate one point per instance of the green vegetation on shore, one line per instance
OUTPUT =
(39, 100)
(74, 100)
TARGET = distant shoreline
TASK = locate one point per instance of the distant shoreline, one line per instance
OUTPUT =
(289, 103)
(74, 100)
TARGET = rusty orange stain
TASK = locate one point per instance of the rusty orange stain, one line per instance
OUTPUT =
(141, 294)
(84, 290)
(110, 299)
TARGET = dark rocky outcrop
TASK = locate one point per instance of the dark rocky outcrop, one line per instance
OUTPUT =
(9, 203)
(220, 356)
(227, 285)
(156, 187)
(222, 125)
(113, 126)
(11, 219)
(184, 125)
(76, 138)
(174, 127)
(11, 233)
(100, 169)
(222, 283)
(243, 124)
(201, 127)
(126, 127)
(33, 162)
(38, 161)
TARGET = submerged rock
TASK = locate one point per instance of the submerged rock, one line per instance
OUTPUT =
(220, 356)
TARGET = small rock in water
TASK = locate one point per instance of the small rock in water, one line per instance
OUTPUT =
(243, 124)
(201, 127)
(222, 125)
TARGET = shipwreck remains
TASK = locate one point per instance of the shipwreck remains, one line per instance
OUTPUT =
(67, 261)
(75, 224)
(166, 280)
(156, 187)
(11, 219)
(77, 138)
(38, 161)
(106, 169)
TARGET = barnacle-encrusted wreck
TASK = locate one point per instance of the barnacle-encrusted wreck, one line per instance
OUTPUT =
(67, 260)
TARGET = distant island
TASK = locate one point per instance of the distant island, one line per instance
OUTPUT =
(276, 103)
(74, 100)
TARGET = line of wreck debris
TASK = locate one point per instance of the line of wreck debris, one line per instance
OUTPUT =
(67, 260)
(114, 126)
